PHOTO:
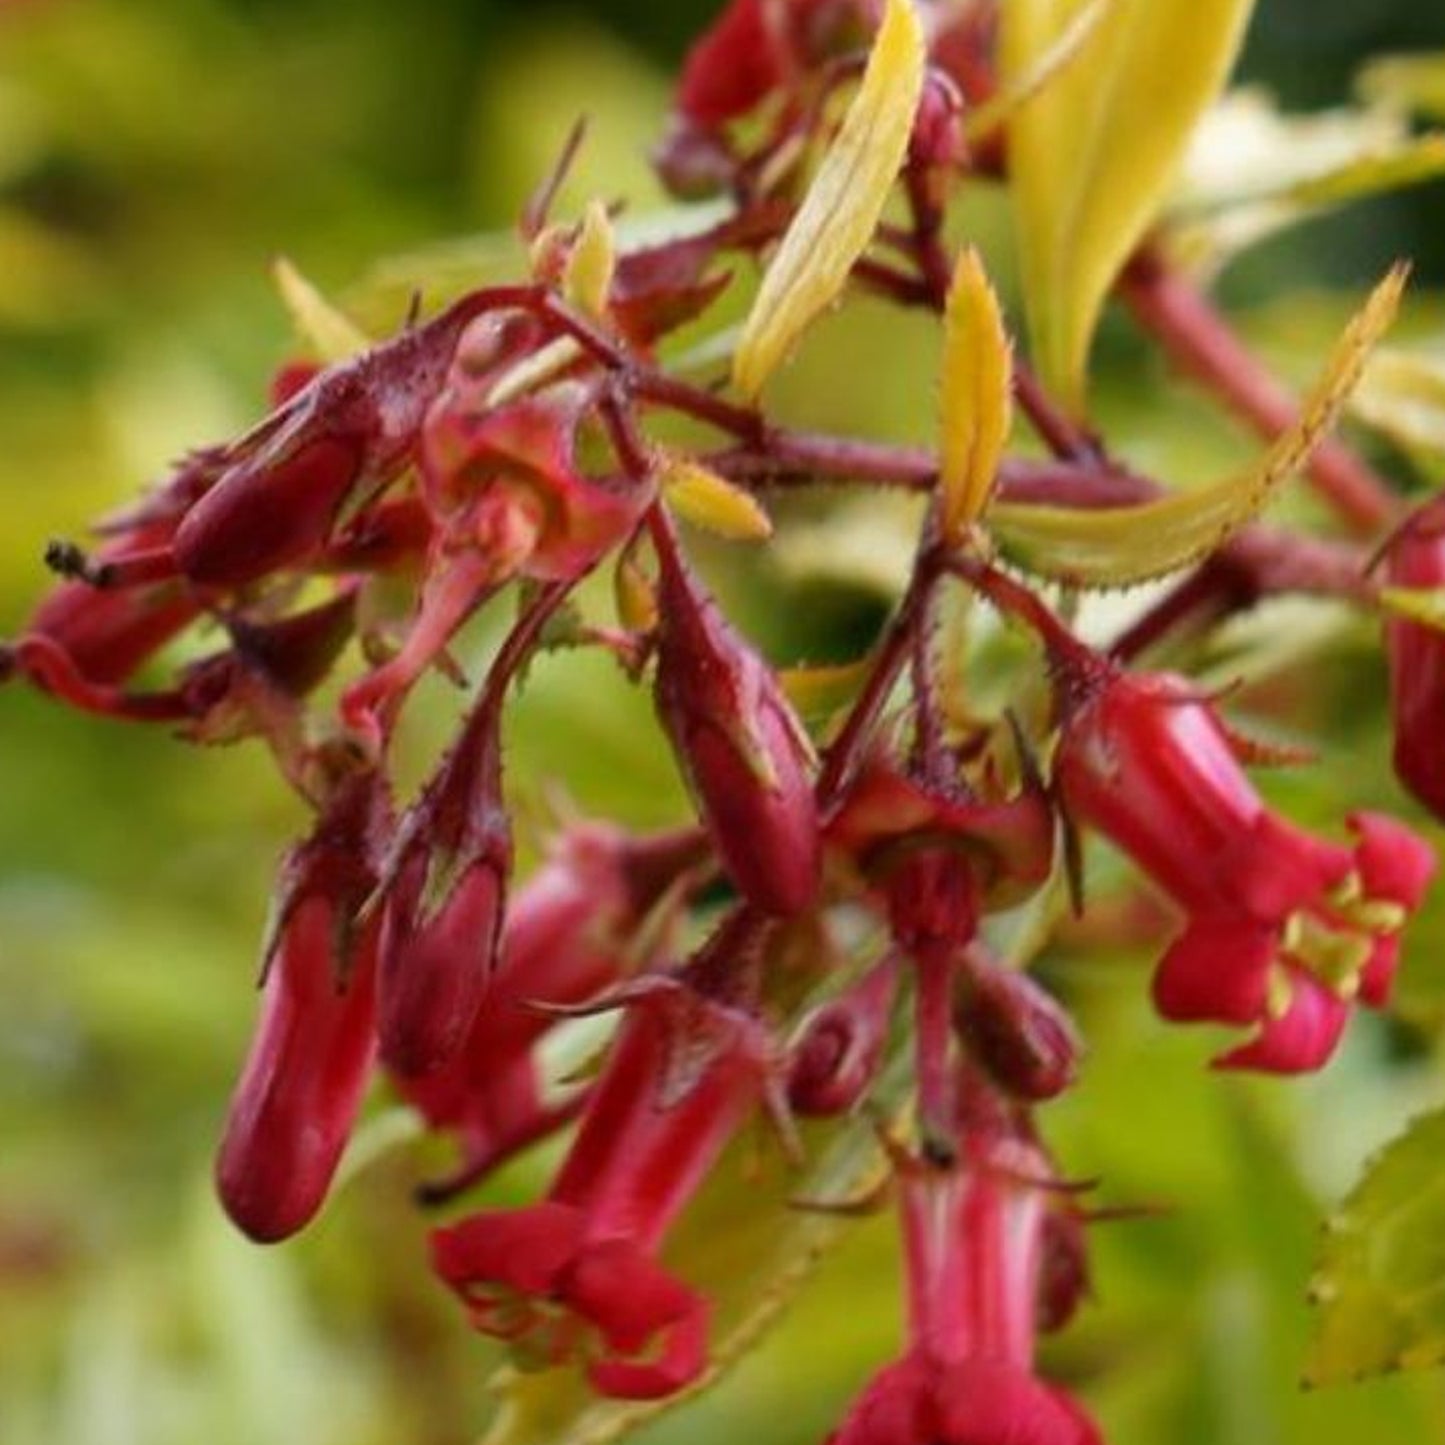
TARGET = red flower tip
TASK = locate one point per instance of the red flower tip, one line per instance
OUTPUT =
(741, 746)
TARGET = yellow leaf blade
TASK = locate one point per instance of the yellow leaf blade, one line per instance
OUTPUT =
(1092, 156)
(710, 501)
(323, 327)
(1119, 546)
(587, 277)
(838, 215)
(976, 396)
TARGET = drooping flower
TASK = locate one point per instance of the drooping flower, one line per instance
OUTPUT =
(579, 1271)
(741, 746)
(1284, 930)
(974, 1249)
(298, 1096)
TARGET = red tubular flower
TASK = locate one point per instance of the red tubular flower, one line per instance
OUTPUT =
(682, 1075)
(740, 744)
(1284, 929)
(1416, 655)
(974, 1236)
(298, 1096)
(563, 943)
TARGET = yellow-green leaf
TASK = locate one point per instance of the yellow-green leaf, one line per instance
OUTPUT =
(1118, 546)
(710, 501)
(587, 278)
(322, 327)
(1091, 157)
(976, 397)
(838, 215)
(1380, 1279)
(1418, 604)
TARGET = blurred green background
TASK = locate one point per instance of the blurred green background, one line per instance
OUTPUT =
(153, 156)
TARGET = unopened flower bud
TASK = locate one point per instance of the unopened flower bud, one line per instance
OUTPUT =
(263, 516)
(1017, 1032)
(837, 1054)
(741, 746)
(298, 1096)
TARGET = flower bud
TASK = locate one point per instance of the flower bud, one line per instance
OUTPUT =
(298, 1096)
(840, 1046)
(444, 907)
(266, 513)
(741, 746)
(1416, 654)
(1017, 1032)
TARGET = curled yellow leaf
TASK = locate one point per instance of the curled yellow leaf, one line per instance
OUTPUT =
(1092, 155)
(838, 215)
(587, 277)
(1117, 546)
(710, 501)
(322, 326)
(975, 394)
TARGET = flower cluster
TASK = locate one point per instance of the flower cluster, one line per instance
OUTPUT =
(496, 455)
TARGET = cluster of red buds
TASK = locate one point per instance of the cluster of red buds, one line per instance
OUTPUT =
(496, 456)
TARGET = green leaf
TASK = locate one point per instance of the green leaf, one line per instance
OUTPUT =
(838, 215)
(1380, 1282)
(1119, 546)
(1092, 156)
